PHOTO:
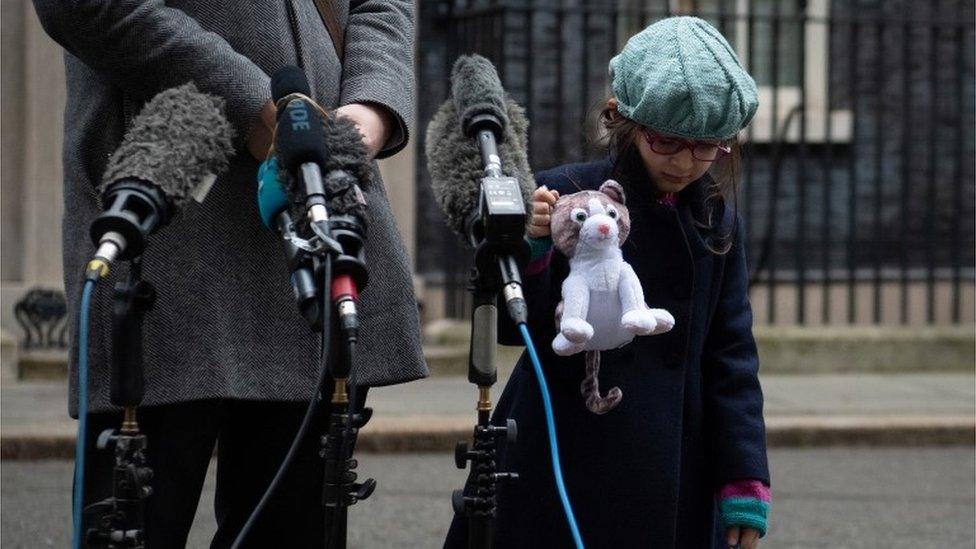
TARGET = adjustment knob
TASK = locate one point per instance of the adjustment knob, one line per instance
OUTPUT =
(362, 418)
(511, 431)
(461, 455)
(365, 489)
(457, 501)
(105, 438)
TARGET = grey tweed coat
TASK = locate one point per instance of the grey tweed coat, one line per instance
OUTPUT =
(224, 324)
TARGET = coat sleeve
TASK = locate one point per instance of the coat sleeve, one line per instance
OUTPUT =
(730, 365)
(378, 64)
(145, 47)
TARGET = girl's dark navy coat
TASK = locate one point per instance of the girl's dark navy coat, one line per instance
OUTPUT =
(646, 473)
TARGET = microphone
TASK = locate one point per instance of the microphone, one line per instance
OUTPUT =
(174, 150)
(323, 156)
(472, 142)
(455, 160)
(480, 99)
(320, 163)
(300, 141)
(273, 207)
(346, 168)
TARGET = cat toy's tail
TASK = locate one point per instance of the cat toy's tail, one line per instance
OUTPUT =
(591, 387)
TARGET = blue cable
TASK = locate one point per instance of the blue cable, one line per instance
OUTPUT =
(557, 469)
(79, 495)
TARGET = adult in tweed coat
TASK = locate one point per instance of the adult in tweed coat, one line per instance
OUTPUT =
(226, 353)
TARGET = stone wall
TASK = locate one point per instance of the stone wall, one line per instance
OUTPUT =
(33, 106)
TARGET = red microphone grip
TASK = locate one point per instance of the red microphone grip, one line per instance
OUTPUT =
(344, 287)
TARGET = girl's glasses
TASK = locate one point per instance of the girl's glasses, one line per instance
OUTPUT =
(700, 150)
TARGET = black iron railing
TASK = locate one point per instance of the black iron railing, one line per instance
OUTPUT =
(858, 178)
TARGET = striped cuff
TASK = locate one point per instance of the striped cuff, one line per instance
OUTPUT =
(539, 246)
(745, 503)
(541, 249)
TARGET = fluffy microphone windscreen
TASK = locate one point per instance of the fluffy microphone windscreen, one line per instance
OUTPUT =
(476, 89)
(455, 165)
(346, 167)
(179, 141)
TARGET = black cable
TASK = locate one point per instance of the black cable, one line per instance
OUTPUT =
(309, 413)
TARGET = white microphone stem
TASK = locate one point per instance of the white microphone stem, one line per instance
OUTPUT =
(513, 290)
(489, 153)
(317, 213)
(110, 245)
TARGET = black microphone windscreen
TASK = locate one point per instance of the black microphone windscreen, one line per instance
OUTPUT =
(477, 90)
(455, 164)
(300, 136)
(288, 80)
(178, 141)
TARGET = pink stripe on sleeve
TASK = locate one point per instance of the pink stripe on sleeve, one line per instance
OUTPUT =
(746, 489)
(539, 265)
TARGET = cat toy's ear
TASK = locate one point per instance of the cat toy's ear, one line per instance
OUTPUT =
(614, 190)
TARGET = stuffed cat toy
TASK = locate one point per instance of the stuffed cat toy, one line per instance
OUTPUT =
(602, 304)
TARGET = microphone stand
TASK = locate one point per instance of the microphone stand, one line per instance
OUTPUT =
(119, 521)
(496, 231)
(340, 489)
(338, 242)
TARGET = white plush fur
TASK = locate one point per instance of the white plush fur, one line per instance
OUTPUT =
(603, 302)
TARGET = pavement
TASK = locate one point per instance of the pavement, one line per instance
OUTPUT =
(895, 498)
(432, 414)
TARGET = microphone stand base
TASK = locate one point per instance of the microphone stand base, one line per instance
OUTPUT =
(117, 522)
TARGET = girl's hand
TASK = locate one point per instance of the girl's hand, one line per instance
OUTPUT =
(543, 201)
(748, 538)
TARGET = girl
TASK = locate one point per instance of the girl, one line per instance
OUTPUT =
(681, 461)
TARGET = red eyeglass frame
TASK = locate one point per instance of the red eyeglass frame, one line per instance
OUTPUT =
(651, 137)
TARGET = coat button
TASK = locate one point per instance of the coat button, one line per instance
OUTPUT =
(674, 360)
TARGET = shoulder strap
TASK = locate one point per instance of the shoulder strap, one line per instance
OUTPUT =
(330, 18)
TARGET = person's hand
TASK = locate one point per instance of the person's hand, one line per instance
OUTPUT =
(543, 201)
(374, 123)
(262, 132)
(744, 538)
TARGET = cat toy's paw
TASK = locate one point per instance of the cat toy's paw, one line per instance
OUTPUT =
(665, 321)
(565, 347)
(639, 322)
(576, 330)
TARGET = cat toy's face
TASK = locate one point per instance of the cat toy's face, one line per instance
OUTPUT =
(591, 220)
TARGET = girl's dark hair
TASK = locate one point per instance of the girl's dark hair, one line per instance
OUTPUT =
(620, 140)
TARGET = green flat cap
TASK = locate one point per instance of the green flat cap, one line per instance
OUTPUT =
(680, 76)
